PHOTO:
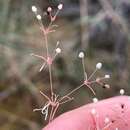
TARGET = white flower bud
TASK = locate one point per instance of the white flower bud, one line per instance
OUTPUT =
(99, 65)
(39, 17)
(107, 76)
(60, 6)
(107, 86)
(58, 50)
(95, 100)
(34, 9)
(49, 9)
(81, 55)
(122, 91)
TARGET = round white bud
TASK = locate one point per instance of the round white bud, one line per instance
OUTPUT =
(49, 9)
(99, 65)
(58, 50)
(39, 17)
(34, 9)
(107, 76)
(81, 55)
(107, 86)
(60, 6)
(95, 100)
(122, 91)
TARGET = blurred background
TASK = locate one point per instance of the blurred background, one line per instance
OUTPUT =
(100, 28)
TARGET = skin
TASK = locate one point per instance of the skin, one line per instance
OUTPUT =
(95, 116)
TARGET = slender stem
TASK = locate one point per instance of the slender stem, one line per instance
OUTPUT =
(46, 42)
(45, 35)
(94, 81)
(46, 114)
(51, 113)
(68, 100)
(38, 56)
(45, 95)
(85, 75)
(47, 54)
(103, 78)
(92, 74)
(54, 112)
(74, 90)
(54, 56)
(50, 75)
(91, 82)
(37, 109)
(48, 28)
(42, 67)
(91, 89)
(56, 97)
(101, 84)
(55, 14)
(51, 17)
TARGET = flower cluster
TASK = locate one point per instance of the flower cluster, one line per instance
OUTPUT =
(54, 101)
(87, 79)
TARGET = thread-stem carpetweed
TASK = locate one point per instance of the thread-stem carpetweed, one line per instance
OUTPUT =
(54, 101)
